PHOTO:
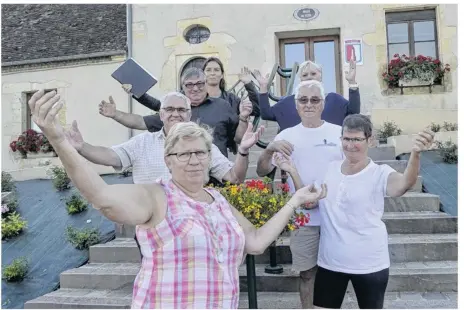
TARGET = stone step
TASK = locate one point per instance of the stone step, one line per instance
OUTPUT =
(119, 250)
(398, 165)
(404, 277)
(413, 202)
(83, 299)
(382, 152)
(430, 276)
(122, 250)
(121, 299)
(393, 300)
(251, 174)
(420, 223)
(402, 247)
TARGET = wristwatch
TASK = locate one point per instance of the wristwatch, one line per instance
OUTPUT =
(244, 120)
(242, 154)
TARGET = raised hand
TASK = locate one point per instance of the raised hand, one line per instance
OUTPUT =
(107, 109)
(309, 195)
(245, 108)
(281, 146)
(350, 75)
(423, 141)
(127, 88)
(45, 108)
(74, 136)
(250, 138)
(245, 75)
(284, 162)
(263, 81)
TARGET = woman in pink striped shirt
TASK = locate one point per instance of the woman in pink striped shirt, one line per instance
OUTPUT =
(192, 239)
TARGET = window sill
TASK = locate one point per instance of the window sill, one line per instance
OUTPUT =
(423, 90)
(40, 155)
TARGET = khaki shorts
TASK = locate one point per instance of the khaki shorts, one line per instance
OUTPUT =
(304, 244)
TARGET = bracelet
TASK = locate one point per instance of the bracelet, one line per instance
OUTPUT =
(243, 154)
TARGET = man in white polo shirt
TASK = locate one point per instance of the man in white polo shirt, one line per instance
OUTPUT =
(311, 145)
(145, 152)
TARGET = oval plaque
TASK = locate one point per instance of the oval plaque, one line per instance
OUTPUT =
(306, 14)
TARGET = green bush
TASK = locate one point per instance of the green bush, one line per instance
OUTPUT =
(61, 181)
(448, 151)
(435, 127)
(12, 225)
(389, 129)
(8, 184)
(450, 126)
(9, 206)
(16, 271)
(76, 203)
(126, 172)
(82, 238)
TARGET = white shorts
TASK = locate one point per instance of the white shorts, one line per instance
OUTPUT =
(304, 244)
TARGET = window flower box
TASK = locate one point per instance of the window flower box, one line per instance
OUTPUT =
(404, 71)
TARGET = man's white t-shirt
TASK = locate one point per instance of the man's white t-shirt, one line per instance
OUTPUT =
(354, 238)
(313, 150)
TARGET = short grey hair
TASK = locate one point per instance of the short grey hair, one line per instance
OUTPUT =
(187, 130)
(309, 63)
(309, 84)
(358, 122)
(165, 98)
(192, 73)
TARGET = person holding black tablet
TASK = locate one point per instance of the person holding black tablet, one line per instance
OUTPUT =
(217, 113)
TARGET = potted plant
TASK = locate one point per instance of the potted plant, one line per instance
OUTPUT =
(414, 71)
(31, 144)
(388, 129)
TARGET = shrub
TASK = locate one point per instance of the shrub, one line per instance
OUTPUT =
(8, 184)
(126, 172)
(435, 127)
(448, 151)
(76, 203)
(16, 271)
(12, 225)
(450, 126)
(9, 206)
(389, 129)
(84, 238)
(61, 181)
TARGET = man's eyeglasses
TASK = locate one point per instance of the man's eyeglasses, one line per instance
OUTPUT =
(199, 85)
(185, 156)
(306, 100)
(354, 140)
(179, 110)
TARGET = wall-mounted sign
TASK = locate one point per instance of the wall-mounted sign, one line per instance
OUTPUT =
(353, 50)
(306, 14)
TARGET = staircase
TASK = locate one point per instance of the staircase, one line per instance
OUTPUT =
(422, 241)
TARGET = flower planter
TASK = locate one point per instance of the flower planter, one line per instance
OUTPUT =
(414, 82)
(41, 155)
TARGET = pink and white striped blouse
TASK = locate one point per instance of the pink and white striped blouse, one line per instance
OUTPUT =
(190, 259)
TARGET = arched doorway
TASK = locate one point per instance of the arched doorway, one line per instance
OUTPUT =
(194, 62)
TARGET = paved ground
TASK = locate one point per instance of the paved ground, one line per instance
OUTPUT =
(44, 243)
(440, 179)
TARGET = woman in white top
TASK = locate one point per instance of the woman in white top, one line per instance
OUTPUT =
(354, 240)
